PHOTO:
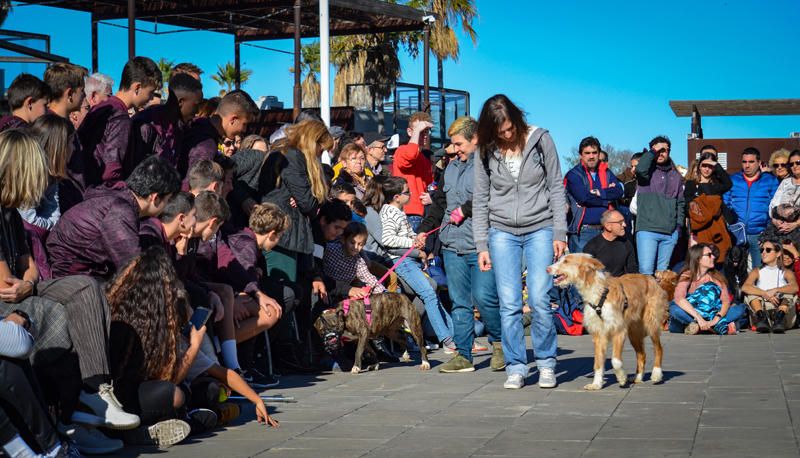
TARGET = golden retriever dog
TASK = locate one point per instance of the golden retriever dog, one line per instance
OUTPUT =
(667, 280)
(632, 305)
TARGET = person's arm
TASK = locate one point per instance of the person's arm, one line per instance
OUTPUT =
(749, 287)
(295, 178)
(681, 290)
(480, 204)
(582, 195)
(46, 215)
(114, 146)
(680, 210)
(120, 236)
(646, 166)
(237, 384)
(434, 213)
(555, 184)
(15, 341)
(389, 237)
(791, 286)
(195, 341)
(615, 189)
(724, 182)
(777, 197)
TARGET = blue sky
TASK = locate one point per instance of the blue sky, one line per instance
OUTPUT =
(577, 68)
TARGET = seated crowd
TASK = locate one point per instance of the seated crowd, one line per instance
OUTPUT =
(147, 248)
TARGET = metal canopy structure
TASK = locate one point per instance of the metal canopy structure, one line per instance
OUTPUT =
(252, 20)
(753, 107)
(9, 41)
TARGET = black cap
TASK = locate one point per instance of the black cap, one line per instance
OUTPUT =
(372, 137)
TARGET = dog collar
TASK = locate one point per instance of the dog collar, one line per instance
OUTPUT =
(367, 308)
(598, 308)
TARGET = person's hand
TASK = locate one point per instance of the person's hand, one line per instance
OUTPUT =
(240, 311)
(425, 198)
(419, 241)
(269, 305)
(196, 336)
(420, 126)
(457, 216)
(292, 202)
(16, 319)
(356, 293)
(216, 304)
(17, 291)
(318, 288)
(704, 325)
(263, 417)
(182, 244)
(484, 261)
(559, 248)
(765, 167)
(596, 192)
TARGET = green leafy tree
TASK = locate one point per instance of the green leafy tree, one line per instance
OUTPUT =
(309, 66)
(618, 159)
(165, 66)
(226, 77)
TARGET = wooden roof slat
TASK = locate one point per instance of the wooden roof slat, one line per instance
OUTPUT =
(752, 107)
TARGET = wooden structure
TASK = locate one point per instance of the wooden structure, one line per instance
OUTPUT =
(731, 149)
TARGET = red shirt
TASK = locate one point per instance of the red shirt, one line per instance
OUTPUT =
(411, 164)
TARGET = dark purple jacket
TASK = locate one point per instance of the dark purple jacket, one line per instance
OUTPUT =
(105, 135)
(98, 236)
(200, 142)
(11, 122)
(158, 131)
(230, 259)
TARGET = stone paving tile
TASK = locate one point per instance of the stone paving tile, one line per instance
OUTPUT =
(722, 396)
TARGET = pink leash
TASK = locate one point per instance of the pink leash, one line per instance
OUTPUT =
(405, 255)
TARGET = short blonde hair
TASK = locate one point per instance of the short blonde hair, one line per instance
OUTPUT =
(268, 217)
(783, 152)
(23, 170)
(466, 126)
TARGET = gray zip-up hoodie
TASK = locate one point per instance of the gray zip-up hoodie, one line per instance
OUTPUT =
(523, 205)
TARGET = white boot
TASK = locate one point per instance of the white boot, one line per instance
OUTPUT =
(104, 404)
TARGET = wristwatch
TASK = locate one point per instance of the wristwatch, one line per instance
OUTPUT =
(717, 314)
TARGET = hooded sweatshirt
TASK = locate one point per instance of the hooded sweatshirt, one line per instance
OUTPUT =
(534, 200)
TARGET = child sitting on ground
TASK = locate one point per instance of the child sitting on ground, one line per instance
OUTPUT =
(770, 291)
(397, 233)
(343, 261)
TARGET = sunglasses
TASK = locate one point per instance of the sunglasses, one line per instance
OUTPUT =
(228, 143)
(710, 255)
(706, 166)
(768, 250)
(780, 165)
(795, 163)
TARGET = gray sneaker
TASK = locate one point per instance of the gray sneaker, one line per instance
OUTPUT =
(514, 382)
(162, 434)
(547, 378)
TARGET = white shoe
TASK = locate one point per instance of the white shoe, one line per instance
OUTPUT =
(514, 382)
(547, 378)
(104, 404)
(90, 440)
(163, 434)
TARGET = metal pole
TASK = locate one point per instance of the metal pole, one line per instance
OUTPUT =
(95, 64)
(237, 63)
(426, 102)
(131, 29)
(324, 64)
(298, 91)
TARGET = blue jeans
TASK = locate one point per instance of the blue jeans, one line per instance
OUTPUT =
(414, 221)
(467, 284)
(506, 251)
(754, 249)
(578, 241)
(442, 324)
(679, 319)
(654, 250)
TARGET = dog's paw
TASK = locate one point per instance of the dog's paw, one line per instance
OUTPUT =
(406, 357)
(656, 376)
(425, 366)
(355, 370)
(592, 387)
(639, 378)
(375, 367)
(622, 378)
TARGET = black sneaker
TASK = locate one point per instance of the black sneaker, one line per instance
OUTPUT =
(384, 353)
(778, 326)
(762, 324)
(201, 421)
(256, 379)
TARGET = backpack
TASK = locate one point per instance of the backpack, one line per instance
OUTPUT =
(568, 316)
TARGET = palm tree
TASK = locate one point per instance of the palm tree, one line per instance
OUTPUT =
(309, 65)
(226, 76)
(166, 73)
(365, 59)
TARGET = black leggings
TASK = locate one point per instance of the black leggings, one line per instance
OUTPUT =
(21, 408)
(156, 399)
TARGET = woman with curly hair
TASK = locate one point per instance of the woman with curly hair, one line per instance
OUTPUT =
(151, 358)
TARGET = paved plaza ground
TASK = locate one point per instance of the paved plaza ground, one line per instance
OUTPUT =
(722, 396)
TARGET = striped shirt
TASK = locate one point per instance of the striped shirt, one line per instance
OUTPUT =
(397, 233)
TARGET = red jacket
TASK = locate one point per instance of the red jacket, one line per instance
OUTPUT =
(411, 164)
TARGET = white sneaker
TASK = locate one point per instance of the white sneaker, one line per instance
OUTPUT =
(514, 382)
(90, 440)
(162, 434)
(547, 378)
(104, 404)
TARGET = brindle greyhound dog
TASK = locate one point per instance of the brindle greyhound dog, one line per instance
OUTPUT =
(387, 314)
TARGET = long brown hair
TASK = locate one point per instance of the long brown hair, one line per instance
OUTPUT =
(147, 295)
(53, 134)
(496, 111)
(305, 137)
(692, 268)
(694, 170)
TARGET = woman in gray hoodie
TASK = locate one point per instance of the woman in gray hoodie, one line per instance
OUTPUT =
(519, 209)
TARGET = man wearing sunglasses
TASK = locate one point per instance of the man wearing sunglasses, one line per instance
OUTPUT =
(749, 199)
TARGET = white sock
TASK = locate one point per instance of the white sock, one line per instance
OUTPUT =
(18, 448)
(229, 354)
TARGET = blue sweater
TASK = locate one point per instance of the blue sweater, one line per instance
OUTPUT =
(751, 203)
(586, 207)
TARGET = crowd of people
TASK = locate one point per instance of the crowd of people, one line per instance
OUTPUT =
(147, 247)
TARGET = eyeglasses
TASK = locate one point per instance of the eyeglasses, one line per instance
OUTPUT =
(706, 166)
(709, 255)
(356, 159)
(767, 250)
(405, 193)
(780, 165)
(795, 163)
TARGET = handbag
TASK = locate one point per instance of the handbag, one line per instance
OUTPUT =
(739, 233)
